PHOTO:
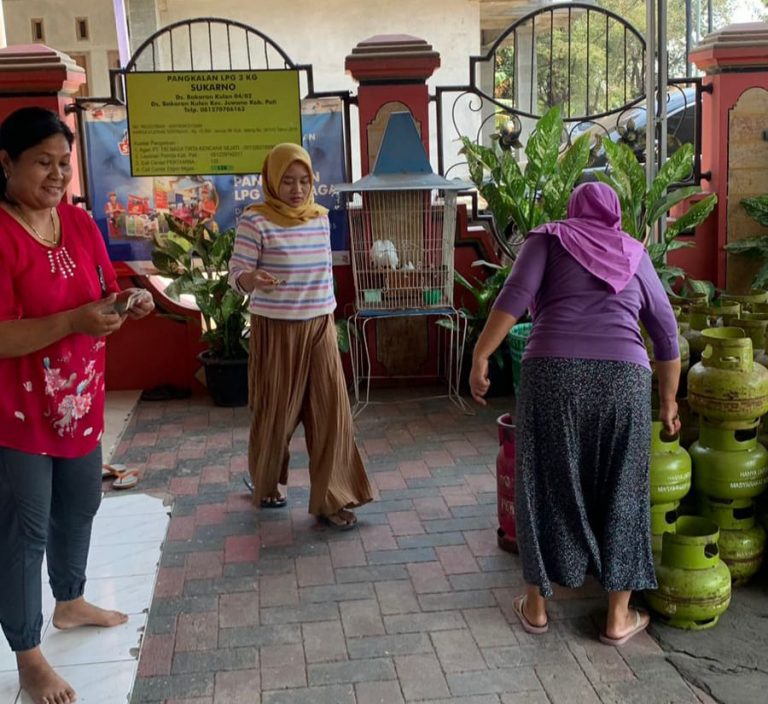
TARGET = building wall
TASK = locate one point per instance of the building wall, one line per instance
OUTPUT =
(60, 32)
(322, 34)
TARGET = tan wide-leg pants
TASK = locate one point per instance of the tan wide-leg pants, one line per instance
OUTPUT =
(295, 376)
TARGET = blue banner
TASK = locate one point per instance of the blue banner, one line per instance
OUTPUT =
(129, 211)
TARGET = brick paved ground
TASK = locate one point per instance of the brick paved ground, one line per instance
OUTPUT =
(413, 605)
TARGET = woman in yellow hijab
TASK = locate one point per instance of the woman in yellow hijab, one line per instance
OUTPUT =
(282, 261)
(279, 210)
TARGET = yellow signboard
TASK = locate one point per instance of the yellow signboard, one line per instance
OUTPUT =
(209, 122)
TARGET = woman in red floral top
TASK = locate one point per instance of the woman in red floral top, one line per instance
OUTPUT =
(57, 304)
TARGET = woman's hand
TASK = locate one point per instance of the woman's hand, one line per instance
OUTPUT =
(97, 318)
(669, 417)
(258, 279)
(479, 383)
(143, 304)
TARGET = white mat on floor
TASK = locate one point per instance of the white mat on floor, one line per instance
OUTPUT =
(100, 663)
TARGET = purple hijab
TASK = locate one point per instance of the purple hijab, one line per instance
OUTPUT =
(592, 235)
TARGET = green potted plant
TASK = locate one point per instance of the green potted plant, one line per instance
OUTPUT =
(520, 198)
(196, 258)
(643, 206)
(756, 246)
(484, 292)
(523, 197)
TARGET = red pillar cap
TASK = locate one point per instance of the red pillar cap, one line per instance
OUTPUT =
(392, 57)
(735, 47)
(36, 68)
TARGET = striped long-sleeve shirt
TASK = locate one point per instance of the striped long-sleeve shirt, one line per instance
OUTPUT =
(300, 256)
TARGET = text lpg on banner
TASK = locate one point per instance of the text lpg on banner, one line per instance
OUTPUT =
(209, 122)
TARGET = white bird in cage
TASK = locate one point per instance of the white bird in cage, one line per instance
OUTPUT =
(384, 254)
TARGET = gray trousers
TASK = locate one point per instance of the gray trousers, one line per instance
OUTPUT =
(47, 505)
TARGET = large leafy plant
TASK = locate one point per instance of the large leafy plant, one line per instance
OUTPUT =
(643, 206)
(757, 245)
(197, 260)
(484, 293)
(521, 198)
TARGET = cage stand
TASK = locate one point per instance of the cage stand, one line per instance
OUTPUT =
(361, 354)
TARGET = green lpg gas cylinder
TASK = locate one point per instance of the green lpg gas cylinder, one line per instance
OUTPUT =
(726, 387)
(682, 342)
(670, 467)
(742, 539)
(720, 309)
(761, 357)
(747, 301)
(663, 520)
(754, 326)
(685, 302)
(694, 583)
(761, 510)
(698, 319)
(689, 420)
(729, 464)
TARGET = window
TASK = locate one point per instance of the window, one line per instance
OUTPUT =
(82, 60)
(38, 31)
(81, 28)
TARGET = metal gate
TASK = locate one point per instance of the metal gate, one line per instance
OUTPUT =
(586, 59)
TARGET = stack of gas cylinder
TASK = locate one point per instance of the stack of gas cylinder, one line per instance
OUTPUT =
(670, 482)
(699, 557)
(729, 391)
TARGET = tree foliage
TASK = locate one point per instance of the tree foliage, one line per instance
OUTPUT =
(596, 67)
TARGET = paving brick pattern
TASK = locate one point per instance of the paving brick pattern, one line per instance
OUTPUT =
(413, 605)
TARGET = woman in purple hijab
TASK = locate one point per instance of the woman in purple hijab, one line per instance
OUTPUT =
(584, 406)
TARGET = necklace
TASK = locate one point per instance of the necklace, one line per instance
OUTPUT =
(59, 258)
(34, 230)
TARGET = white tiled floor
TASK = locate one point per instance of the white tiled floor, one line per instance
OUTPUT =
(100, 663)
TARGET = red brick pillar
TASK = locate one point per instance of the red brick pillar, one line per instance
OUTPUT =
(392, 70)
(34, 74)
(734, 146)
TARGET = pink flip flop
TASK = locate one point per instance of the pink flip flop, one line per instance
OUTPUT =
(124, 478)
(642, 619)
(518, 605)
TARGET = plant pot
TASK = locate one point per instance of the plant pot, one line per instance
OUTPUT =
(226, 379)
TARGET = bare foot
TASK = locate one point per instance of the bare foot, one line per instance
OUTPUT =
(79, 612)
(39, 680)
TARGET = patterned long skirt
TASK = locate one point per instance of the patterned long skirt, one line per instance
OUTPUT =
(582, 483)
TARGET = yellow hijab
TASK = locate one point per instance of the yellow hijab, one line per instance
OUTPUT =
(275, 210)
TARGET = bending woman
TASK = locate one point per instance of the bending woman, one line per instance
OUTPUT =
(584, 407)
(282, 260)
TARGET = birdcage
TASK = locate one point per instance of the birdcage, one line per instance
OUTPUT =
(401, 245)
(402, 224)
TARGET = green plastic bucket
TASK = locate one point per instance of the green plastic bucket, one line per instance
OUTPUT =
(517, 339)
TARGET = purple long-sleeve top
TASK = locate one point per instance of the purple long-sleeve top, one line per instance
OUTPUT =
(576, 315)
